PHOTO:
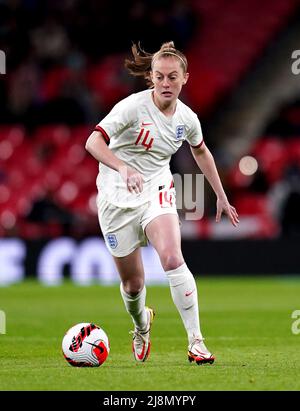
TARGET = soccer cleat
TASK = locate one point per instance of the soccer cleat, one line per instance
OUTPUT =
(199, 353)
(141, 339)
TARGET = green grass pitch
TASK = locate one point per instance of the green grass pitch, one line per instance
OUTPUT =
(246, 321)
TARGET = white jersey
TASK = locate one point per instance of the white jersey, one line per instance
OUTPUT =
(144, 138)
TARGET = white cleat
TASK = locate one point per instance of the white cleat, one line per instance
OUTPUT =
(199, 353)
(141, 343)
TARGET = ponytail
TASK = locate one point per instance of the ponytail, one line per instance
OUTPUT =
(142, 62)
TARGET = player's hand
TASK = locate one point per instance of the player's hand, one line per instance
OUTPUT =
(223, 206)
(132, 178)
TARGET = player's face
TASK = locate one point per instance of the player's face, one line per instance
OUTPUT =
(168, 78)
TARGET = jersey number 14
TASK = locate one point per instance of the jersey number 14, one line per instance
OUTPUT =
(147, 141)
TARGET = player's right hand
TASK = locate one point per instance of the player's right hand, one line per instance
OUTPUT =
(132, 178)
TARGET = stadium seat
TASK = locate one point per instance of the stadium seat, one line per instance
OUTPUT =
(272, 157)
(57, 134)
(293, 149)
(54, 80)
(80, 134)
(226, 40)
(13, 133)
(105, 80)
(252, 204)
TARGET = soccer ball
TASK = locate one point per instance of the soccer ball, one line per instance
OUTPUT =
(85, 345)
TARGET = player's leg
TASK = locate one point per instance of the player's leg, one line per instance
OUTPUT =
(123, 237)
(132, 287)
(122, 240)
(133, 292)
(163, 233)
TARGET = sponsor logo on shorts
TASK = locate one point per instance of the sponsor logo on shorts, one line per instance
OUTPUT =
(179, 132)
(112, 240)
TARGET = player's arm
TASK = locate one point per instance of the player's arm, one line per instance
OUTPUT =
(98, 148)
(206, 163)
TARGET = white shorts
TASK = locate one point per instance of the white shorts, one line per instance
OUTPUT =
(124, 228)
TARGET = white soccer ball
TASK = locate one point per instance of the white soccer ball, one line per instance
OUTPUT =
(85, 345)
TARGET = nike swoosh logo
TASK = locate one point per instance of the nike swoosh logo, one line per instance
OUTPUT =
(97, 346)
(146, 124)
(141, 355)
(188, 293)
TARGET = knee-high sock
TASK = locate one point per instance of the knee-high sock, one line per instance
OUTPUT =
(135, 306)
(184, 293)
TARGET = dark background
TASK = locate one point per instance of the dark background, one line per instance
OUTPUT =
(64, 72)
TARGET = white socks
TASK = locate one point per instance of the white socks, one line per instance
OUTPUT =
(135, 306)
(184, 293)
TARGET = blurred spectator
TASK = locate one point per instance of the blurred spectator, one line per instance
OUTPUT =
(22, 101)
(259, 184)
(153, 22)
(49, 42)
(286, 122)
(284, 201)
(52, 45)
(184, 23)
(290, 217)
(46, 211)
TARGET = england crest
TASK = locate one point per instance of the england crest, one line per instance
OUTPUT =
(179, 132)
(112, 240)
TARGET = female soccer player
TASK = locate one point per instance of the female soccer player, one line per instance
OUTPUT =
(136, 195)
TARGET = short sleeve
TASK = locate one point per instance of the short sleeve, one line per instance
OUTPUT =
(194, 135)
(122, 116)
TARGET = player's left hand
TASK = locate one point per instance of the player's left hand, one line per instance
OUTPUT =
(223, 206)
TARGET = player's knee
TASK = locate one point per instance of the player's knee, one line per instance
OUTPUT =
(133, 287)
(171, 260)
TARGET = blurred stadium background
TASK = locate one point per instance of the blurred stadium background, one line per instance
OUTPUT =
(65, 72)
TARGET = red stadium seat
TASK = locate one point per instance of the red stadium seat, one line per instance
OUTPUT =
(252, 204)
(13, 133)
(54, 80)
(227, 43)
(79, 134)
(272, 156)
(293, 149)
(105, 80)
(58, 134)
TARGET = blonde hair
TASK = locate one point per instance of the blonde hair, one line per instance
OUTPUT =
(142, 63)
